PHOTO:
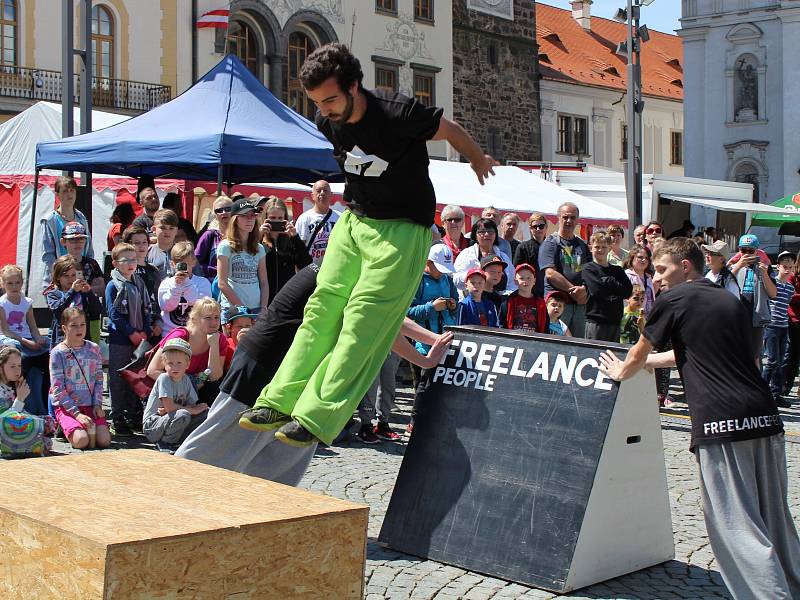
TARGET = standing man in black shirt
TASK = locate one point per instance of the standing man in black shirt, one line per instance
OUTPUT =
(737, 435)
(379, 245)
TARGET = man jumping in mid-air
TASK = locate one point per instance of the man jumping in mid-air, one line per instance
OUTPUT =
(376, 252)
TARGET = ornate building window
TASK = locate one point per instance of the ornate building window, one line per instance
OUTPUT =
(8, 33)
(242, 42)
(423, 10)
(572, 134)
(386, 6)
(386, 77)
(102, 43)
(424, 88)
(676, 148)
(300, 46)
(747, 172)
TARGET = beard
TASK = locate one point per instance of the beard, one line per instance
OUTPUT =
(344, 116)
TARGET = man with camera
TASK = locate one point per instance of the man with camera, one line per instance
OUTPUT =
(314, 226)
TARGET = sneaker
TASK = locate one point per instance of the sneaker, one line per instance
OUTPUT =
(135, 424)
(384, 432)
(367, 435)
(120, 430)
(294, 434)
(262, 419)
(166, 448)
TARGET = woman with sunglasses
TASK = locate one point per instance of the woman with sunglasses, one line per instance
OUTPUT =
(241, 262)
(206, 250)
(453, 221)
(484, 241)
(653, 234)
(527, 252)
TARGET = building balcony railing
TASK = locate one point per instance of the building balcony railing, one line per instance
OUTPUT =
(44, 84)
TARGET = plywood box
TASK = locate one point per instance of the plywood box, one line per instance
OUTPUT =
(138, 524)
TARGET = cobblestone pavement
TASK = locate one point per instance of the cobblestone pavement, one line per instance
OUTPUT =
(366, 474)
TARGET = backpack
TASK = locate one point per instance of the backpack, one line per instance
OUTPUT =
(23, 435)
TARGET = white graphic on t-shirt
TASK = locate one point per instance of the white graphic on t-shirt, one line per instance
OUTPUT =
(359, 162)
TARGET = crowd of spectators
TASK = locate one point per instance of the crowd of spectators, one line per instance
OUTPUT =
(183, 299)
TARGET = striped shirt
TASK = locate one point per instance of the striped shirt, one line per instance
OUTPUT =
(779, 306)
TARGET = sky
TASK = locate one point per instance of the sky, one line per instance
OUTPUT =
(661, 15)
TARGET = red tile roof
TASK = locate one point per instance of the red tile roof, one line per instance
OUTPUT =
(569, 53)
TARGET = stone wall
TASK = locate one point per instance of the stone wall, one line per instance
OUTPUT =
(495, 80)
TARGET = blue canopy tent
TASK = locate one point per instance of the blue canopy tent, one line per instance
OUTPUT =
(227, 128)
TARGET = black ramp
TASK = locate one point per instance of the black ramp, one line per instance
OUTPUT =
(497, 480)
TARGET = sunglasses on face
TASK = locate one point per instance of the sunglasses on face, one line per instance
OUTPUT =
(484, 231)
(539, 227)
(653, 230)
(453, 220)
(222, 210)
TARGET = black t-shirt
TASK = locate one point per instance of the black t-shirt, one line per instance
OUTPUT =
(385, 159)
(528, 252)
(710, 332)
(608, 288)
(260, 352)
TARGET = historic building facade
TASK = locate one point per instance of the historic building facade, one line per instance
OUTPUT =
(403, 45)
(743, 93)
(584, 86)
(495, 79)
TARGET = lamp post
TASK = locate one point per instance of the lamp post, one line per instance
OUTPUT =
(634, 106)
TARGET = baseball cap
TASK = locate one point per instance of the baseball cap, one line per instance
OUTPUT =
(73, 230)
(748, 240)
(785, 254)
(559, 295)
(522, 266)
(178, 344)
(492, 259)
(475, 271)
(234, 312)
(718, 247)
(442, 258)
(242, 206)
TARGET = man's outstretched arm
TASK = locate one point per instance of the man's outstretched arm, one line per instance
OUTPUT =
(635, 361)
(463, 143)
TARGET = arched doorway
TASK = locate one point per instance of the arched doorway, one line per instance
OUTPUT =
(301, 44)
(243, 42)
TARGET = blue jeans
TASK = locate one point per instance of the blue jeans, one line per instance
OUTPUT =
(775, 340)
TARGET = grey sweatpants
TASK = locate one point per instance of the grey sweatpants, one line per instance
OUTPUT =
(220, 442)
(172, 427)
(380, 395)
(752, 535)
(606, 332)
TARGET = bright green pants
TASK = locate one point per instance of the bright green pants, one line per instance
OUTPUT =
(364, 288)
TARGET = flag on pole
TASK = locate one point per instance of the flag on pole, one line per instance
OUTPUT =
(215, 18)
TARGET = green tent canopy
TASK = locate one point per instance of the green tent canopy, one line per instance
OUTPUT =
(792, 206)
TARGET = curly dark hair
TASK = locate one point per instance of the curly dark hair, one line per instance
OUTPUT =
(331, 60)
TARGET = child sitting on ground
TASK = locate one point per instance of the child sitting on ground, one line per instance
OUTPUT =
(76, 391)
(632, 323)
(523, 310)
(556, 301)
(13, 386)
(474, 309)
(608, 286)
(69, 288)
(172, 410)
(17, 322)
(177, 294)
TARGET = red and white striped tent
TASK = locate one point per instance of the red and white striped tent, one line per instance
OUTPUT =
(18, 138)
